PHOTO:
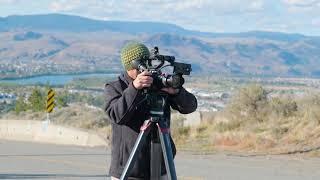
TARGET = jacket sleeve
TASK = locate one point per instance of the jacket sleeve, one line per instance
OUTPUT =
(121, 106)
(184, 102)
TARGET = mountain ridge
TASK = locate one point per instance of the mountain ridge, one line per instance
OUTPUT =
(43, 21)
(55, 43)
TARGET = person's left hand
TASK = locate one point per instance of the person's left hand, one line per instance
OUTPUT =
(170, 90)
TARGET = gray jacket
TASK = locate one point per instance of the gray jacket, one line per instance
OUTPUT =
(127, 114)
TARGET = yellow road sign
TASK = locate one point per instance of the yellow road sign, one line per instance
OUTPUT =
(50, 100)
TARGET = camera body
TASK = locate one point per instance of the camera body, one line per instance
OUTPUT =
(161, 80)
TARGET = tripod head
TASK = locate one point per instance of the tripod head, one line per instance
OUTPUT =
(156, 101)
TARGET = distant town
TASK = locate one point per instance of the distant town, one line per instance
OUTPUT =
(7, 98)
(210, 98)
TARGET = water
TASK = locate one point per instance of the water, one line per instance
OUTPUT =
(55, 79)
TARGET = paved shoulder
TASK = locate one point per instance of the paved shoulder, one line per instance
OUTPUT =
(22, 160)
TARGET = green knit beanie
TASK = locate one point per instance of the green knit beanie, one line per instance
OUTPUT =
(132, 51)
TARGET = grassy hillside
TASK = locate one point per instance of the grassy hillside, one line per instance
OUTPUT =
(254, 122)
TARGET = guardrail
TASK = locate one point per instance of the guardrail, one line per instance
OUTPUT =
(41, 131)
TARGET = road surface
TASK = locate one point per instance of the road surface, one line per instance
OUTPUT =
(22, 160)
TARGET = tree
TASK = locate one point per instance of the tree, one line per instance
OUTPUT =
(62, 99)
(37, 100)
(21, 105)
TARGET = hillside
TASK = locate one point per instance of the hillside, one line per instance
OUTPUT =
(55, 43)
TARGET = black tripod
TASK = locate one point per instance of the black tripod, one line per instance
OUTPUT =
(158, 125)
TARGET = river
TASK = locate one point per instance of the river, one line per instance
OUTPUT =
(54, 79)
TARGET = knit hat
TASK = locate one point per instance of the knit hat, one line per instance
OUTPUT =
(132, 51)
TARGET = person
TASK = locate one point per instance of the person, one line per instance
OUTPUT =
(127, 111)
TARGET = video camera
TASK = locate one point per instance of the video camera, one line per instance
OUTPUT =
(155, 63)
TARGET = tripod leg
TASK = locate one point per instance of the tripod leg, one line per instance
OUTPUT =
(167, 151)
(156, 154)
(144, 131)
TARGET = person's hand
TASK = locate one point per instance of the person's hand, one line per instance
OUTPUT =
(143, 80)
(170, 90)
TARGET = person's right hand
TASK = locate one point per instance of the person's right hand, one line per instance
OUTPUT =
(143, 80)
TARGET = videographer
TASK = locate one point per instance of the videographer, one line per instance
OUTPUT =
(127, 112)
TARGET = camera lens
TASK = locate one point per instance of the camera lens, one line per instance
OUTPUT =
(175, 81)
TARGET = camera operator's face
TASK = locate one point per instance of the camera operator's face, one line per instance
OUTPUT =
(133, 73)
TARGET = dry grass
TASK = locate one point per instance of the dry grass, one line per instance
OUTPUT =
(252, 122)
(255, 123)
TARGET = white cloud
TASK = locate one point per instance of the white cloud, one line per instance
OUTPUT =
(316, 22)
(206, 15)
(302, 6)
(257, 5)
(5, 1)
(220, 7)
(301, 3)
(161, 6)
(64, 5)
(8, 2)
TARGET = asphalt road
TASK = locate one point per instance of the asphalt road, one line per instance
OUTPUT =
(21, 160)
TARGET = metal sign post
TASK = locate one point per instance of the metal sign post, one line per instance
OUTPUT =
(50, 103)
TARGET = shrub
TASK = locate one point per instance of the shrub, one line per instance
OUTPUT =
(249, 103)
(283, 107)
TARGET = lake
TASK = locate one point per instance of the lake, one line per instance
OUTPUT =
(55, 79)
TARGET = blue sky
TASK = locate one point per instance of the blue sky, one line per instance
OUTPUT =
(293, 16)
